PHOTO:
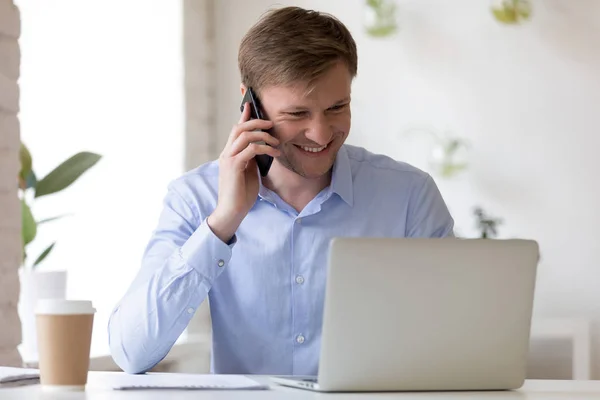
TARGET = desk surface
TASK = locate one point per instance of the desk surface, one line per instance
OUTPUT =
(99, 388)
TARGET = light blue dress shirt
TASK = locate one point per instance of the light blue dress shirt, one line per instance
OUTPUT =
(266, 288)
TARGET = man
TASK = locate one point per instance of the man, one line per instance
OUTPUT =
(257, 247)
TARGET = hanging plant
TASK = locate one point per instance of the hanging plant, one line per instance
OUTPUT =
(448, 157)
(512, 12)
(381, 18)
(486, 224)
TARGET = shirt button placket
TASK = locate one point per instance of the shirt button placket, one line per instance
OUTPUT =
(299, 338)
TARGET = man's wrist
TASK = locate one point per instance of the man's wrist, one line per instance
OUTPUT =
(223, 228)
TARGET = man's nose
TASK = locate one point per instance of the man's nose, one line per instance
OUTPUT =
(319, 130)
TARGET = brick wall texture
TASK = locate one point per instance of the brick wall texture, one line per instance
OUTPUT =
(10, 215)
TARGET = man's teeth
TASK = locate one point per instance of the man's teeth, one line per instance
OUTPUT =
(313, 149)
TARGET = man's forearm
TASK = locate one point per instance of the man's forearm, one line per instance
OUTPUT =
(163, 299)
(149, 319)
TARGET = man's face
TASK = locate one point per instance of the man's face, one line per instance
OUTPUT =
(311, 127)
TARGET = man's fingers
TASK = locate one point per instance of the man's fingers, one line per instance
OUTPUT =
(251, 125)
(245, 138)
(245, 116)
(252, 150)
(254, 125)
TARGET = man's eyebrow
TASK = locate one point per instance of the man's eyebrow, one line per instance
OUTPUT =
(294, 108)
(342, 101)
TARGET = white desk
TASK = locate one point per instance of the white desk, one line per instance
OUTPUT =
(98, 389)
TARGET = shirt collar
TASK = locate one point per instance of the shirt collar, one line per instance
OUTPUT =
(341, 179)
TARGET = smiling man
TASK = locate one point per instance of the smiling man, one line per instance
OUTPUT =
(255, 247)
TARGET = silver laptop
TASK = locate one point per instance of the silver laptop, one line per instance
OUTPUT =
(425, 315)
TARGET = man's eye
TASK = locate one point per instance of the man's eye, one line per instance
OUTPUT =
(338, 107)
(297, 113)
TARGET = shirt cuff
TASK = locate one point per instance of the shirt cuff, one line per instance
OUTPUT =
(206, 253)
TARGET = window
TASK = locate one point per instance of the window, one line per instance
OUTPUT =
(105, 77)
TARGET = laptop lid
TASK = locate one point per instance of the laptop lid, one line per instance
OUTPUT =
(427, 314)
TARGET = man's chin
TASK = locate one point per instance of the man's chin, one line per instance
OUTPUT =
(306, 169)
(310, 173)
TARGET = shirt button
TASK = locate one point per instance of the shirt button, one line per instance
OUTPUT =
(190, 310)
(221, 263)
(300, 339)
(299, 279)
(298, 220)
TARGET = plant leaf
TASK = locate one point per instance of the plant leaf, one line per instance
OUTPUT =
(66, 173)
(25, 160)
(29, 226)
(504, 15)
(449, 170)
(381, 30)
(523, 9)
(43, 255)
(511, 12)
(31, 180)
(385, 18)
(45, 220)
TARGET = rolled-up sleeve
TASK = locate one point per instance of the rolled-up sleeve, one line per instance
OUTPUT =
(182, 260)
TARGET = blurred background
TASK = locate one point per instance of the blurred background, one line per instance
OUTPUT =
(499, 101)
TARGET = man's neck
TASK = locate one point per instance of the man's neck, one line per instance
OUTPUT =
(294, 189)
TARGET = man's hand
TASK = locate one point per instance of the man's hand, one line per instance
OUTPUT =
(238, 174)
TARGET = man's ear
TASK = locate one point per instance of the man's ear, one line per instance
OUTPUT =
(243, 88)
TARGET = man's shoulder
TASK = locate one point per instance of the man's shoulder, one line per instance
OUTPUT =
(207, 171)
(372, 165)
(198, 181)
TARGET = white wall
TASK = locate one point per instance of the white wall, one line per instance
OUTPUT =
(527, 98)
(105, 77)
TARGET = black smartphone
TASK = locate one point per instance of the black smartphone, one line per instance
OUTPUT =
(263, 161)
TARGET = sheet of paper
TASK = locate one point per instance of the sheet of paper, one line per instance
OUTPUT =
(184, 382)
(10, 374)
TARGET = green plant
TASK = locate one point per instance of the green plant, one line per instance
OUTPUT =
(383, 15)
(30, 189)
(448, 153)
(447, 160)
(488, 226)
(512, 11)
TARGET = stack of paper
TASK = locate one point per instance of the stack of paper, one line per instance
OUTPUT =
(184, 382)
(10, 376)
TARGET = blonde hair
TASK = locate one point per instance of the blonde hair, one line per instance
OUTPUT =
(291, 45)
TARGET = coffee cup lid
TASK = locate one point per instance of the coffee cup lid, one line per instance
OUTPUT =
(64, 307)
